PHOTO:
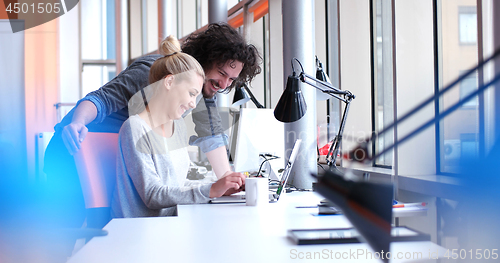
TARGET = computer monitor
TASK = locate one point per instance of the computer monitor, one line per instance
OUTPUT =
(256, 131)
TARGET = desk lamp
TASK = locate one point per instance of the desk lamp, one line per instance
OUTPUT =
(242, 95)
(292, 106)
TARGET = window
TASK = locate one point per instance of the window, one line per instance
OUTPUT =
(98, 44)
(467, 86)
(459, 131)
(467, 24)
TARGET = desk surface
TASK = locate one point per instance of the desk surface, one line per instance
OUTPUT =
(233, 233)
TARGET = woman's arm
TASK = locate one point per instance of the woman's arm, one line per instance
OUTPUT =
(218, 160)
(210, 135)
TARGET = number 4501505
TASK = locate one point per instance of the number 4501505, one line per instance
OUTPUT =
(39, 8)
(471, 254)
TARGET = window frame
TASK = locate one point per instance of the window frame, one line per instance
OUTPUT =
(99, 62)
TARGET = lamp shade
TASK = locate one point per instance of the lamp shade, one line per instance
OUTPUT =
(291, 106)
(240, 96)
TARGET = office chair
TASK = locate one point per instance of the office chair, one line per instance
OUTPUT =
(96, 166)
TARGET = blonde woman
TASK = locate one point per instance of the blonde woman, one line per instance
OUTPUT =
(153, 162)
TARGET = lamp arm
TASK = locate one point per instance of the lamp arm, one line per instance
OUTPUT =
(252, 97)
(331, 157)
(326, 91)
(331, 89)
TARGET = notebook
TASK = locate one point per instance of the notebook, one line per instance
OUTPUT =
(273, 196)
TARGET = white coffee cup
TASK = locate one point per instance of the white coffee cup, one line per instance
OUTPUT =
(256, 191)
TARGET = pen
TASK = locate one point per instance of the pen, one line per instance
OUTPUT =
(312, 206)
(409, 205)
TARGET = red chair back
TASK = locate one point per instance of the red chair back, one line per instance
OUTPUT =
(96, 166)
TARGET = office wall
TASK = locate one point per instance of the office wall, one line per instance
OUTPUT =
(68, 38)
(41, 83)
(12, 101)
(41, 63)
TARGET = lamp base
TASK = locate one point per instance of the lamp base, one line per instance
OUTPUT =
(322, 160)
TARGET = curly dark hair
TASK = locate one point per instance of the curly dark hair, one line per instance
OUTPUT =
(219, 44)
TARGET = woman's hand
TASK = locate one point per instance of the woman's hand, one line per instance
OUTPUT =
(230, 183)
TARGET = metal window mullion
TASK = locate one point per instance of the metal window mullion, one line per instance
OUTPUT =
(327, 65)
(198, 14)
(247, 30)
(373, 52)
(437, 102)
(144, 23)
(80, 63)
(178, 19)
(102, 62)
(388, 70)
(395, 165)
(480, 79)
(333, 57)
(267, 86)
(122, 35)
(104, 30)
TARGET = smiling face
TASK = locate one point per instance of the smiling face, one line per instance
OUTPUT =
(219, 78)
(182, 92)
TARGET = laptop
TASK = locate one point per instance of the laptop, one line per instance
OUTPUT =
(273, 196)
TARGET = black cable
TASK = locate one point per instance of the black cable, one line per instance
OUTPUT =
(289, 189)
(260, 168)
(265, 160)
(320, 165)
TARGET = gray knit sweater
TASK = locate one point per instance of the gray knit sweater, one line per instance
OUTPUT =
(151, 172)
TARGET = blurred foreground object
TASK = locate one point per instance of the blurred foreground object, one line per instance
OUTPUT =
(368, 206)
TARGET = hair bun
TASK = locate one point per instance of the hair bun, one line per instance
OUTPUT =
(169, 46)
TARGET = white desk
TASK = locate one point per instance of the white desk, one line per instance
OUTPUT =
(229, 233)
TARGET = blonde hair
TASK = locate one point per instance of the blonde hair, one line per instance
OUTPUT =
(173, 61)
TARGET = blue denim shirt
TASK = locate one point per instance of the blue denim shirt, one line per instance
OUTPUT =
(208, 126)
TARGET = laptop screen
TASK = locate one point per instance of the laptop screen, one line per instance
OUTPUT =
(288, 167)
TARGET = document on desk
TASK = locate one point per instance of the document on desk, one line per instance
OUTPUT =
(350, 235)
